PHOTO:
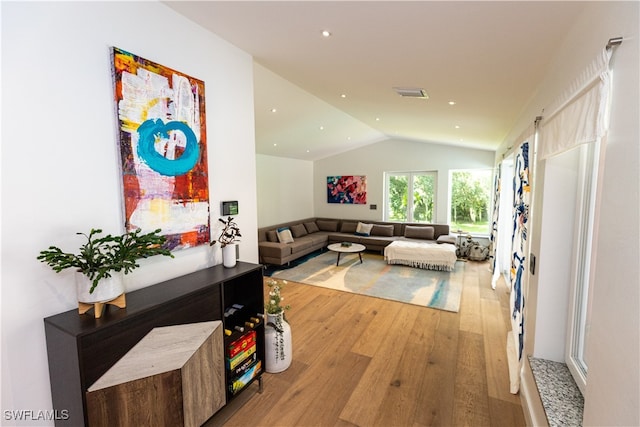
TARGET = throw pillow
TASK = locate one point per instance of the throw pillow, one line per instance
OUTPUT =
(348, 227)
(382, 230)
(284, 235)
(272, 236)
(311, 227)
(298, 230)
(363, 229)
(325, 225)
(417, 232)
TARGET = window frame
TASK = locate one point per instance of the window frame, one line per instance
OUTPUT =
(490, 202)
(410, 198)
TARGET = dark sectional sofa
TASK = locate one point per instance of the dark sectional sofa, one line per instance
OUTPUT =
(312, 234)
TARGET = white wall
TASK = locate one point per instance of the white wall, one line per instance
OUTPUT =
(60, 169)
(388, 156)
(284, 189)
(613, 383)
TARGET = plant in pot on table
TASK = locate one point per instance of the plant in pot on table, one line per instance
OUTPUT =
(101, 260)
(228, 236)
(278, 343)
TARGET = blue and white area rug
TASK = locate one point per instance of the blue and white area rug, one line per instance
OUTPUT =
(374, 277)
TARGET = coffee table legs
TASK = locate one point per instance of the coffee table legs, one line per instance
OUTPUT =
(340, 253)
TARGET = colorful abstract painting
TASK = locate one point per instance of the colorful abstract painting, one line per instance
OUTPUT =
(163, 147)
(347, 189)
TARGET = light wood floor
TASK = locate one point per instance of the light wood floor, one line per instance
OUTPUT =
(363, 361)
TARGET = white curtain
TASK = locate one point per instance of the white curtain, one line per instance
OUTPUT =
(579, 115)
(502, 227)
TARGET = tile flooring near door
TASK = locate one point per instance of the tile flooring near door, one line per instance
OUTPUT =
(364, 361)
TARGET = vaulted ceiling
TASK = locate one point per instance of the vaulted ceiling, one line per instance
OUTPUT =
(479, 62)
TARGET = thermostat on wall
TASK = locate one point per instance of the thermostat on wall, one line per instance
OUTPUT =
(230, 208)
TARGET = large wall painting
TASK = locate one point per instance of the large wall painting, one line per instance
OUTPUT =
(347, 189)
(163, 147)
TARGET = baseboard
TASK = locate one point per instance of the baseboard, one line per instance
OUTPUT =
(530, 399)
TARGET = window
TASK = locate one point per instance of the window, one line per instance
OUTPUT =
(410, 196)
(470, 200)
(581, 277)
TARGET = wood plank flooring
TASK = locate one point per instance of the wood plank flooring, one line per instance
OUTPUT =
(363, 361)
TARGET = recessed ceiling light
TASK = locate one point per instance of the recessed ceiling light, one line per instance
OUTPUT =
(348, 138)
(457, 126)
(326, 33)
(275, 145)
(343, 95)
(273, 110)
(452, 102)
(377, 119)
(321, 127)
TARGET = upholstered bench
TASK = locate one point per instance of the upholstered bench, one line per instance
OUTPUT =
(427, 255)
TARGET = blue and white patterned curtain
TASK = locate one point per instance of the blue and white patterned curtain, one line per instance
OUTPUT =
(521, 202)
(493, 239)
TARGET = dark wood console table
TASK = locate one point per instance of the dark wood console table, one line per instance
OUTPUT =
(82, 348)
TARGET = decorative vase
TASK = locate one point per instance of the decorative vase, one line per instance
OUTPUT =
(278, 344)
(229, 255)
(108, 289)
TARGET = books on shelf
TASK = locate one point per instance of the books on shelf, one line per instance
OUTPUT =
(238, 383)
(242, 343)
(242, 360)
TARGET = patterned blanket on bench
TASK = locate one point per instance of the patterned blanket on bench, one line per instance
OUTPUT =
(431, 256)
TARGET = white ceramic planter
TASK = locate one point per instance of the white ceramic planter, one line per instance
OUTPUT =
(229, 255)
(108, 288)
(277, 361)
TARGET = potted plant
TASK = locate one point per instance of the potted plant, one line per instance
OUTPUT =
(278, 343)
(228, 236)
(99, 258)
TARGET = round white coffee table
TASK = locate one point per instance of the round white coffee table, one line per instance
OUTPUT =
(351, 249)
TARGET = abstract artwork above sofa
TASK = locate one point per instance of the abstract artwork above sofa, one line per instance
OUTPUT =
(347, 189)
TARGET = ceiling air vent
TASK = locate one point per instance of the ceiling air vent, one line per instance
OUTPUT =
(411, 92)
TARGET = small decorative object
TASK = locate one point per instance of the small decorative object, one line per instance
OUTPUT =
(228, 236)
(478, 252)
(102, 261)
(277, 334)
(346, 244)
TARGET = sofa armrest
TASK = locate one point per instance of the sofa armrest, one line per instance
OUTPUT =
(274, 249)
(446, 238)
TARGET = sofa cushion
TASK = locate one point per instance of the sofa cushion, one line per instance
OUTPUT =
(311, 227)
(298, 230)
(326, 225)
(363, 229)
(300, 245)
(284, 235)
(272, 236)
(348, 227)
(382, 230)
(376, 241)
(417, 232)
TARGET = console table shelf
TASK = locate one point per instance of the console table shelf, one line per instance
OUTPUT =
(82, 348)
